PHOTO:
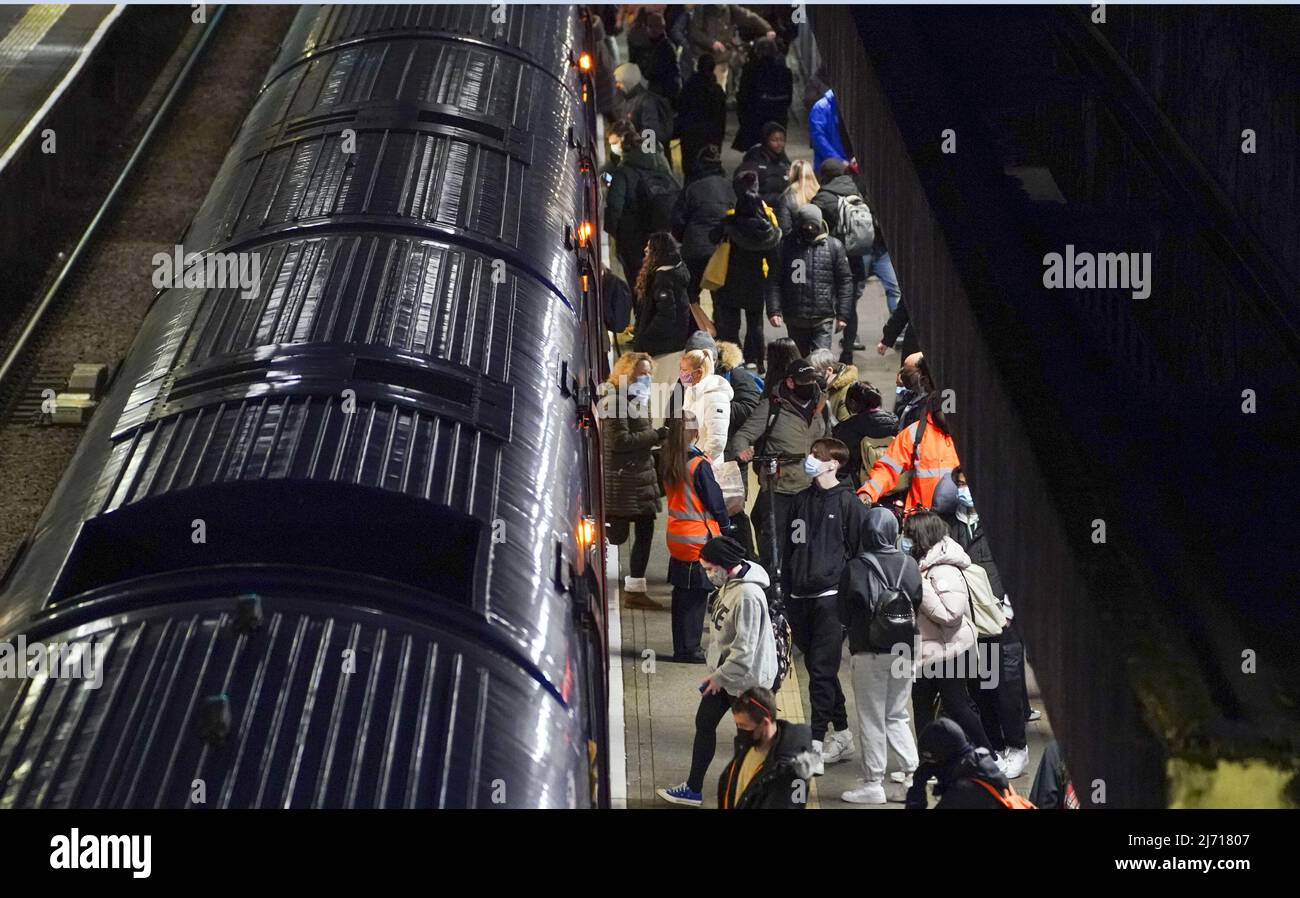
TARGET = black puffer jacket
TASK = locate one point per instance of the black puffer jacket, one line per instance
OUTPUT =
(825, 289)
(771, 168)
(861, 589)
(790, 758)
(754, 239)
(851, 431)
(700, 209)
(832, 522)
(745, 397)
(663, 320)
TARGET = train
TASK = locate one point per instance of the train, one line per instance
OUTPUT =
(336, 540)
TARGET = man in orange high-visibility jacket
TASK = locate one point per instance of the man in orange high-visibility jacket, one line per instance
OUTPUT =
(696, 513)
(934, 459)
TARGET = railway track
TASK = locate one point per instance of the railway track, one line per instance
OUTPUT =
(92, 305)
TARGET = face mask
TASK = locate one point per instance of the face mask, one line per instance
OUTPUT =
(616, 149)
(809, 232)
(905, 546)
(644, 380)
(745, 738)
(964, 497)
(717, 576)
(806, 391)
(685, 379)
(812, 465)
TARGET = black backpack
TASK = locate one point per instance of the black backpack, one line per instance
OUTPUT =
(893, 619)
(657, 193)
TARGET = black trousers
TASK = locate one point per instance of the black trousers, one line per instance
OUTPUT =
(744, 533)
(707, 717)
(644, 529)
(766, 536)
(696, 266)
(727, 320)
(815, 626)
(688, 619)
(957, 705)
(849, 335)
(1001, 709)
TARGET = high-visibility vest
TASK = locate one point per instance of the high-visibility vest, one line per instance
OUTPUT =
(935, 459)
(690, 525)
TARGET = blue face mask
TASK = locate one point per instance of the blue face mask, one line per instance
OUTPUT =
(812, 465)
(964, 497)
(644, 380)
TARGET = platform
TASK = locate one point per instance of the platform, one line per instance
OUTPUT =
(42, 47)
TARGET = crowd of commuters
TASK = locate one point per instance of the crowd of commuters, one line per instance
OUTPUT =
(864, 533)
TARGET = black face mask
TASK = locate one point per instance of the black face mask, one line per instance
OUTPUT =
(745, 738)
(806, 392)
(809, 232)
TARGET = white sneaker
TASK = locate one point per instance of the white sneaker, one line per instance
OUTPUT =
(1017, 759)
(896, 790)
(866, 793)
(839, 747)
(1001, 761)
(819, 766)
(634, 584)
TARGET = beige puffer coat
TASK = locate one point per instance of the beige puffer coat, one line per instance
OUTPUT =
(944, 622)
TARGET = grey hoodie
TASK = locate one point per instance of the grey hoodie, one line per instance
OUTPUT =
(742, 650)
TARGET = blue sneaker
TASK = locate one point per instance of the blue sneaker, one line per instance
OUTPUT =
(681, 794)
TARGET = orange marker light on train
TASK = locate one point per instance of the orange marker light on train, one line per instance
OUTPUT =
(584, 233)
(586, 532)
(584, 62)
(586, 284)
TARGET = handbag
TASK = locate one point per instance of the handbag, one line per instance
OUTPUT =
(985, 608)
(732, 484)
(715, 273)
(702, 320)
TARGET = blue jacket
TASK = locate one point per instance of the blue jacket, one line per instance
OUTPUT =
(824, 131)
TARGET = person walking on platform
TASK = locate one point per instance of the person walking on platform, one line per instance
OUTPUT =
(663, 313)
(765, 93)
(629, 213)
(742, 653)
(867, 431)
(824, 531)
(880, 593)
(925, 449)
(746, 393)
(948, 634)
(966, 777)
(645, 110)
(769, 163)
(701, 115)
(696, 513)
(801, 187)
(631, 481)
(813, 293)
(773, 760)
(751, 230)
(700, 209)
(707, 397)
(785, 424)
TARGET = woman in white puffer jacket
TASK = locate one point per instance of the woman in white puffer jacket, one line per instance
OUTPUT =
(708, 397)
(948, 667)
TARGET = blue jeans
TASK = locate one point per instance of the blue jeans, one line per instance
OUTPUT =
(882, 267)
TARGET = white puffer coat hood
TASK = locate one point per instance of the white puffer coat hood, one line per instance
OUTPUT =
(944, 623)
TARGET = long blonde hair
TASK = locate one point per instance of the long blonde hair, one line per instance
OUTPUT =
(803, 183)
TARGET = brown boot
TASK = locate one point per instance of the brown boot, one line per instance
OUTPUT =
(640, 600)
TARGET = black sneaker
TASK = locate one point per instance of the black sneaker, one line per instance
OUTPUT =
(859, 347)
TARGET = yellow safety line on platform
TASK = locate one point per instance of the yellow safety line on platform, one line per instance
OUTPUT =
(18, 44)
(789, 706)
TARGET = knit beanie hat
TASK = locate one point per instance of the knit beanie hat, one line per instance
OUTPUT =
(723, 551)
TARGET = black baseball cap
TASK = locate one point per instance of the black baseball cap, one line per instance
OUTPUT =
(801, 372)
